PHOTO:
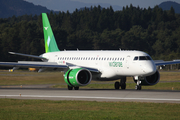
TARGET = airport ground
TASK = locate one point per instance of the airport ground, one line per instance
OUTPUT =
(100, 100)
(169, 80)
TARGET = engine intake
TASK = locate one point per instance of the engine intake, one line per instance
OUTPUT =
(78, 77)
(149, 80)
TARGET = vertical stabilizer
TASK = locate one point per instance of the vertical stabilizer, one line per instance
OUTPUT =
(50, 42)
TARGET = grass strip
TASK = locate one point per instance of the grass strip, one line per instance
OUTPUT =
(78, 110)
(171, 79)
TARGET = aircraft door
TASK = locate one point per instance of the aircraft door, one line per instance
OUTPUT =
(55, 58)
(127, 61)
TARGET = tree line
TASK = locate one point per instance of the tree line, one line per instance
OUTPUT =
(151, 30)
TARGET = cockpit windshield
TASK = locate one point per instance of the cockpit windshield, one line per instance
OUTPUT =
(142, 58)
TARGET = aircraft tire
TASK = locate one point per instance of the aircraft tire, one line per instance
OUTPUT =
(70, 88)
(116, 85)
(138, 87)
(76, 88)
(123, 86)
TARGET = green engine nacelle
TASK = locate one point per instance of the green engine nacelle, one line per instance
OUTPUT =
(77, 77)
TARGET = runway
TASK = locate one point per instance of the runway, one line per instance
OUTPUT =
(157, 96)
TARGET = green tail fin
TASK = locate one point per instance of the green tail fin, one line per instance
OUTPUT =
(50, 42)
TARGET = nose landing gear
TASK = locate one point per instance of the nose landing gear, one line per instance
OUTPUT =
(138, 86)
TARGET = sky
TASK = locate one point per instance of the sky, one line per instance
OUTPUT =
(141, 3)
(71, 5)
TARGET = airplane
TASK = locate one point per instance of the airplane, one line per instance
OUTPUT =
(80, 67)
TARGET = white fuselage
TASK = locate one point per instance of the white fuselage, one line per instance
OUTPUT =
(111, 64)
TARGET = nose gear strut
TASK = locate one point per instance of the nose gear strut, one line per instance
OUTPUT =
(138, 86)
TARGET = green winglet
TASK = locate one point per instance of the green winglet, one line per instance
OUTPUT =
(50, 42)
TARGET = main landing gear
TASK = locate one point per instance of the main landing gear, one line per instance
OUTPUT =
(70, 88)
(121, 84)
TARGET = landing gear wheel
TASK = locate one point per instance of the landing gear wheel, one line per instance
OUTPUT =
(76, 88)
(70, 88)
(123, 83)
(116, 85)
(123, 86)
(138, 87)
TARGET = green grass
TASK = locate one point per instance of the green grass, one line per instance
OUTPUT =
(30, 78)
(33, 78)
(78, 110)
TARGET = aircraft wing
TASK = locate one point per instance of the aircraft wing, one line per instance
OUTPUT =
(41, 65)
(94, 70)
(91, 69)
(27, 55)
(161, 62)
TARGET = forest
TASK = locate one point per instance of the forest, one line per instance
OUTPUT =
(151, 30)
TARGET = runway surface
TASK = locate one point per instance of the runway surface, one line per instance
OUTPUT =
(158, 96)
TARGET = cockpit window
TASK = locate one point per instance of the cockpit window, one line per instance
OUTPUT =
(144, 58)
(136, 58)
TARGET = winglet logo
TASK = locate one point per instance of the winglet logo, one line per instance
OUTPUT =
(45, 28)
(48, 40)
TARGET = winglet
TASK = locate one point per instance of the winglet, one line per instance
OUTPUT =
(49, 39)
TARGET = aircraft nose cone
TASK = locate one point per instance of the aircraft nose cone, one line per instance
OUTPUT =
(150, 69)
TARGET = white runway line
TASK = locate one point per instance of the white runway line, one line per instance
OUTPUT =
(90, 97)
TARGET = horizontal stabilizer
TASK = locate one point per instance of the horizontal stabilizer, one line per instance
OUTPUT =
(27, 55)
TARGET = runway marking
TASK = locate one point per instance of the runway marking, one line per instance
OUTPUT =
(89, 97)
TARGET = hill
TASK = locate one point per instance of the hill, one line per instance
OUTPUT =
(70, 5)
(9, 8)
(167, 6)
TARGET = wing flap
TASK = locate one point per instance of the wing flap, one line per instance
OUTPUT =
(26, 64)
